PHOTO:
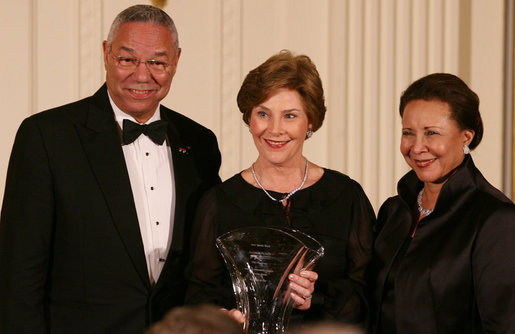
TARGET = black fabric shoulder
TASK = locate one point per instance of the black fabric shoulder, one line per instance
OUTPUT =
(385, 211)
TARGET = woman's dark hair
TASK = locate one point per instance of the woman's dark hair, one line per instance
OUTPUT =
(284, 70)
(448, 88)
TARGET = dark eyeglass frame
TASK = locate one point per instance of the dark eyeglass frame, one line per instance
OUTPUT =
(132, 63)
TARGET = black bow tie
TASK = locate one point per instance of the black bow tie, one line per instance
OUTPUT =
(156, 131)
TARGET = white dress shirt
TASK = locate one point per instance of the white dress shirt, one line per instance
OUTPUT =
(150, 170)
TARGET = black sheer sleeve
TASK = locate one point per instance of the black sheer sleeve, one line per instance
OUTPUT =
(355, 307)
(208, 279)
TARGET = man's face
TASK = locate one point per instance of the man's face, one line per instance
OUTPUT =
(138, 90)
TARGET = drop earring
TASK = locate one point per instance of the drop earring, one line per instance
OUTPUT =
(466, 149)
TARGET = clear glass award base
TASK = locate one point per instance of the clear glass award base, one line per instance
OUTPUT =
(259, 260)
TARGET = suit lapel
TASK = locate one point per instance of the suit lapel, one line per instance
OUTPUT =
(186, 179)
(102, 145)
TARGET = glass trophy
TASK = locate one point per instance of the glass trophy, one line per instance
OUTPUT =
(259, 260)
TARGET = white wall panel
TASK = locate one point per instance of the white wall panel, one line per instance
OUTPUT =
(336, 84)
(367, 53)
(232, 128)
(419, 34)
(435, 36)
(451, 13)
(56, 61)
(370, 92)
(387, 96)
(16, 84)
(402, 74)
(196, 88)
(91, 64)
(353, 126)
(486, 69)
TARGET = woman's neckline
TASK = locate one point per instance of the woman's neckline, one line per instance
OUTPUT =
(324, 173)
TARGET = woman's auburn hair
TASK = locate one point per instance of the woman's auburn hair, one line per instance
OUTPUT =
(284, 70)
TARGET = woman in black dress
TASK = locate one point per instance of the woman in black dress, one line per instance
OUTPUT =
(445, 250)
(282, 102)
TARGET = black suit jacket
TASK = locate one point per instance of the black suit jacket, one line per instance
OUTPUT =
(71, 254)
(458, 273)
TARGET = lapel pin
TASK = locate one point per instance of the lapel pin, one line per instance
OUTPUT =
(184, 150)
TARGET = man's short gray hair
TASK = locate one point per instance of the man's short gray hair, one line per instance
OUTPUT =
(143, 13)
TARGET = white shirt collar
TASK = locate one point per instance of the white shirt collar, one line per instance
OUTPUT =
(120, 115)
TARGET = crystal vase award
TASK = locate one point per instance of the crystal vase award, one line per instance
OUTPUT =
(259, 260)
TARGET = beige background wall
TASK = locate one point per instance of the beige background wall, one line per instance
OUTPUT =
(367, 52)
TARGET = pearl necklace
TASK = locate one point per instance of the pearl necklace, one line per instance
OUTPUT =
(423, 212)
(291, 193)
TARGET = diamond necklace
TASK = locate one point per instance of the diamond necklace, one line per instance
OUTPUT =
(291, 193)
(423, 212)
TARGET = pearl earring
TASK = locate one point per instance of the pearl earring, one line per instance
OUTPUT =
(466, 149)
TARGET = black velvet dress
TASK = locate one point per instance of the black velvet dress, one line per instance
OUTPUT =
(334, 210)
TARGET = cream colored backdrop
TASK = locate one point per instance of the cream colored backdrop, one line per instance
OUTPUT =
(367, 52)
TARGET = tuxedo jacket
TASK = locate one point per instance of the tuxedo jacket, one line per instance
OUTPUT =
(457, 275)
(71, 253)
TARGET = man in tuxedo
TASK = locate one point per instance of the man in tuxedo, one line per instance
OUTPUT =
(100, 195)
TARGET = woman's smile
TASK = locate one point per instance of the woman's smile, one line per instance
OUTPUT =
(278, 126)
(275, 143)
(424, 163)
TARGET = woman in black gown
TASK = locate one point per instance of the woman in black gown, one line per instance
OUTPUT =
(445, 248)
(282, 102)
